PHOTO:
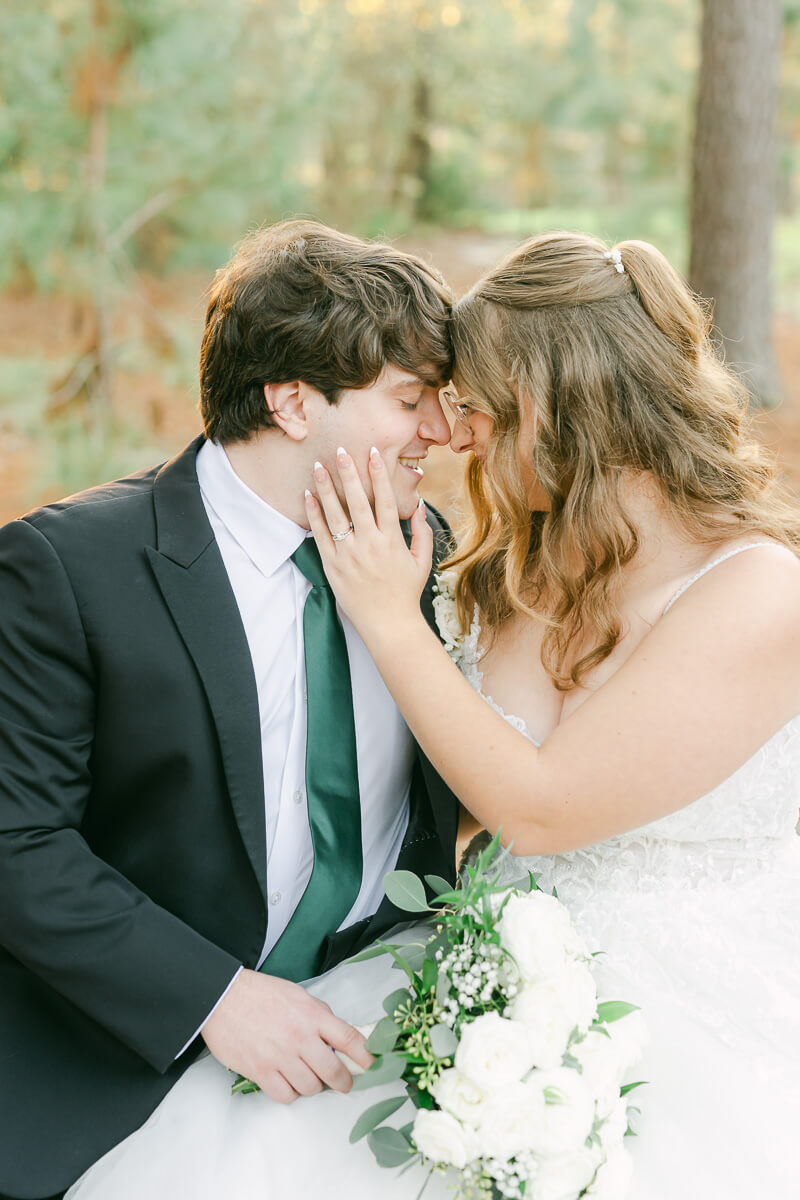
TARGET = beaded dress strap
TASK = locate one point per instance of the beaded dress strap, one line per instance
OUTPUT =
(715, 563)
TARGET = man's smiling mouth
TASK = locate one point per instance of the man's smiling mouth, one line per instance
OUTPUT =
(412, 464)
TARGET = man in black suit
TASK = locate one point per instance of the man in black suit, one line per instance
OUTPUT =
(169, 869)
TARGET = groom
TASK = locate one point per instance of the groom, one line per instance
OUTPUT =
(203, 779)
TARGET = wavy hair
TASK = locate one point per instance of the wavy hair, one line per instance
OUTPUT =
(612, 371)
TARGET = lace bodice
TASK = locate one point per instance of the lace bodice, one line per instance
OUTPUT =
(737, 831)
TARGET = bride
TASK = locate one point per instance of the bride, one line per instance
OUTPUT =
(626, 616)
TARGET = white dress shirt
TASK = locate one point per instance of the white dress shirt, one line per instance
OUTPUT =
(256, 543)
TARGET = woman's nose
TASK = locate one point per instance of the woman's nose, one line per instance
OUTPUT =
(461, 439)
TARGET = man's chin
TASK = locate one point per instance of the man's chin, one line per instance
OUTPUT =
(407, 506)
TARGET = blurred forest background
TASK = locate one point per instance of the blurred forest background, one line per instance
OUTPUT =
(140, 139)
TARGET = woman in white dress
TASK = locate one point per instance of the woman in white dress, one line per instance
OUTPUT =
(627, 601)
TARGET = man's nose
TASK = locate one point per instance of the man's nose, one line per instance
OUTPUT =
(433, 426)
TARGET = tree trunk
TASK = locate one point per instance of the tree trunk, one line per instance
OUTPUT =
(412, 175)
(733, 186)
(103, 383)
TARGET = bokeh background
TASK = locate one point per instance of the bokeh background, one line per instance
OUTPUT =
(140, 139)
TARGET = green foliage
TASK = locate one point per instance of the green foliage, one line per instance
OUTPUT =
(375, 115)
(614, 1010)
(373, 1116)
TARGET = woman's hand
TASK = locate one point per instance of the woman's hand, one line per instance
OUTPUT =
(377, 579)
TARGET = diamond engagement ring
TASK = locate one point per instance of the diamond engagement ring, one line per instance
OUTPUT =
(338, 537)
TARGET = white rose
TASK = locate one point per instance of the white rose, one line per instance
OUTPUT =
(629, 1038)
(600, 1065)
(456, 1093)
(537, 931)
(539, 1008)
(512, 1120)
(568, 1113)
(564, 1176)
(550, 1010)
(612, 1131)
(441, 1138)
(613, 1177)
(494, 1051)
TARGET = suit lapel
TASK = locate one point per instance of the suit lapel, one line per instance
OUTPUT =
(192, 578)
(443, 802)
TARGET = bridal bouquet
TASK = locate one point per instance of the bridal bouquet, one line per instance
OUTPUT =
(515, 1069)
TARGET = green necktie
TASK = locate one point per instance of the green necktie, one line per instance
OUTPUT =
(334, 803)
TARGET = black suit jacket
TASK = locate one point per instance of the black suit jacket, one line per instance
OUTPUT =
(133, 867)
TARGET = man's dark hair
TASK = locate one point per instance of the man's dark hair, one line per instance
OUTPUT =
(301, 301)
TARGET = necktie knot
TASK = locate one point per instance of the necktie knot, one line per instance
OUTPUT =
(307, 560)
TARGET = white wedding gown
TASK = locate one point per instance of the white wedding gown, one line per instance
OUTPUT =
(697, 914)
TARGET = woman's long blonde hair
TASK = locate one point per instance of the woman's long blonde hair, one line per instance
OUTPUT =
(612, 371)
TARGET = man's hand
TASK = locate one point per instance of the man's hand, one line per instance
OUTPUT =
(275, 1033)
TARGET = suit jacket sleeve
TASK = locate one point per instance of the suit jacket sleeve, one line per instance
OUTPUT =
(65, 914)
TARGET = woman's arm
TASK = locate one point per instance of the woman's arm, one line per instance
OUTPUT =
(709, 685)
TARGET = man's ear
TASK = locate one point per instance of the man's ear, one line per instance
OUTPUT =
(286, 403)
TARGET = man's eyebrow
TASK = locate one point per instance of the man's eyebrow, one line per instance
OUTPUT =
(418, 382)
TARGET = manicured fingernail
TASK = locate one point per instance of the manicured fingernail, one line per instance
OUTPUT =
(375, 457)
(341, 454)
(421, 504)
(319, 471)
(308, 495)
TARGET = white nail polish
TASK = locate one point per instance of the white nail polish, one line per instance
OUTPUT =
(340, 451)
(318, 466)
(307, 494)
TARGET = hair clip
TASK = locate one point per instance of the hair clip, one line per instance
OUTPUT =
(615, 258)
(291, 247)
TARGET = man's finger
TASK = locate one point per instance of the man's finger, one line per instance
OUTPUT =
(302, 1078)
(328, 1067)
(386, 513)
(344, 1037)
(278, 1088)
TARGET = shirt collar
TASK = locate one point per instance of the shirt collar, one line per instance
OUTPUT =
(267, 537)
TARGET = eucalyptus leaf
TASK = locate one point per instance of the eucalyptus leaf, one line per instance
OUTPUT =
(393, 1001)
(438, 885)
(406, 890)
(412, 958)
(452, 896)
(383, 1037)
(389, 1146)
(386, 1069)
(374, 1115)
(613, 1010)
(401, 962)
(444, 1042)
(372, 952)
